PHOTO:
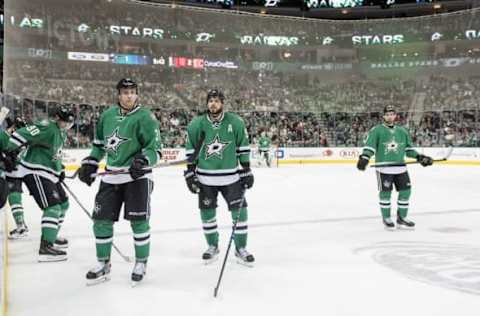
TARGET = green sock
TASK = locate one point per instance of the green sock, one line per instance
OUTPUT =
(50, 223)
(403, 202)
(64, 208)
(103, 231)
(385, 204)
(141, 237)
(209, 223)
(15, 201)
(241, 231)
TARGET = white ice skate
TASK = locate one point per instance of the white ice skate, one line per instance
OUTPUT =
(139, 271)
(211, 254)
(244, 257)
(99, 274)
(20, 232)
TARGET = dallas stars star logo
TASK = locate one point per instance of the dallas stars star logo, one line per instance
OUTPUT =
(58, 155)
(216, 148)
(391, 146)
(114, 141)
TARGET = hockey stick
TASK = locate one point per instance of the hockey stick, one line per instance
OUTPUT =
(188, 160)
(124, 257)
(388, 164)
(3, 113)
(125, 171)
(232, 236)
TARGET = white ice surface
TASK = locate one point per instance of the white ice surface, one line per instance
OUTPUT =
(317, 236)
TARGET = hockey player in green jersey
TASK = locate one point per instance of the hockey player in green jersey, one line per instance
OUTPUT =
(390, 143)
(264, 148)
(216, 170)
(128, 136)
(42, 171)
(14, 181)
(8, 164)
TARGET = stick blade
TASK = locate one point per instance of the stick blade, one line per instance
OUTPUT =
(3, 113)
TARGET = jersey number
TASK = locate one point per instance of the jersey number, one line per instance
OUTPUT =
(33, 130)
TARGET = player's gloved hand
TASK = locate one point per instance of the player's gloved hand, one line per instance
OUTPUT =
(62, 174)
(425, 161)
(9, 159)
(362, 162)
(89, 167)
(16, 123)
(246, 177)
(191, 179)
(137, 168)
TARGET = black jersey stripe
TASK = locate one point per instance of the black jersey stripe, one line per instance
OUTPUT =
(217, 174)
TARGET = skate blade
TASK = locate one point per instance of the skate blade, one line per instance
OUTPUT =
(17, 237)
(210, 261)
(134, 283)
(102, 279)
(403, 227)
(244, 263)
(390, 229)
(51, 258)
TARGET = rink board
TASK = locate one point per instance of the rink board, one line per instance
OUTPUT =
(307, 155)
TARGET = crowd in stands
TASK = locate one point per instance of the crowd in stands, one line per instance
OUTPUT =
(292, 109)
(290, 129)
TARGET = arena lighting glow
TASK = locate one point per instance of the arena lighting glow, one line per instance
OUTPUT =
(159, 32)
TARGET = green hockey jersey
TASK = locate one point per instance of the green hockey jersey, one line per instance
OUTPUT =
(264, 143)
(4, 139)
(225, 145)
(389, 144)
(120, 137)
(44, 141)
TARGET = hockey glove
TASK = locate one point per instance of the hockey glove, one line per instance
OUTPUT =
(9, 159)
(137, 168)
(425, 161)
(191, 179)
(89, 167)
(362, 162)
(246, 177)
(15, 123)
